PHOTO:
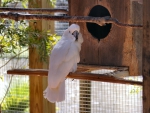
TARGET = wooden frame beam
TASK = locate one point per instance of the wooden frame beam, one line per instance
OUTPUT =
(146, 56)
(83, 73)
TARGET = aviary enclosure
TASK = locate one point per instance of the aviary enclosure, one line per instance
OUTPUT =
(114, 57)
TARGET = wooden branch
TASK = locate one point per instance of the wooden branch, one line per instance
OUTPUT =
(82, 76)
(102, 78)
(34, 10)
(31, 72)
(116, 22)
(99, 20)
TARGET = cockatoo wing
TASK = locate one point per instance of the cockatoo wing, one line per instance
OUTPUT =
(61, 61)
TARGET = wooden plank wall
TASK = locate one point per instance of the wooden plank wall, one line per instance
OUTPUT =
(118, 48)
(38, 84)
(146, 56)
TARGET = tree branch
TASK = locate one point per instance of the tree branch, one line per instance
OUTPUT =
(7, 90)
(98, 20)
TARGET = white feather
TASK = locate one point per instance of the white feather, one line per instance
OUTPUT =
(63, 59)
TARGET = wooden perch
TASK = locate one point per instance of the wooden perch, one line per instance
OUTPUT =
(99, 20)
(82, 73)
(34, 10)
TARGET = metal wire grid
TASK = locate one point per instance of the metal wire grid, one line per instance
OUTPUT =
(115, 98)
(14, 94)
(17, 97)
(70, 105)
(101, 97)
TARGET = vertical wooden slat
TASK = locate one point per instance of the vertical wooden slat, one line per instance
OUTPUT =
(146, 56)
(137, 12)
(38, 84)
(85, 96)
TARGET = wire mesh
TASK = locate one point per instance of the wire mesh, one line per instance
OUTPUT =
(14, 95)
(101, 97)
(17, 96)
(70, 105)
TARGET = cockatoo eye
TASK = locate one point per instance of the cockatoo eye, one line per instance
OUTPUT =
(75, 34)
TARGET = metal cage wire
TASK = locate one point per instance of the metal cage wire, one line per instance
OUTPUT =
(101, 97)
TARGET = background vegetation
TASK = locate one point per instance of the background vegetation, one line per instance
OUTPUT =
(16, 37)
(17, 98)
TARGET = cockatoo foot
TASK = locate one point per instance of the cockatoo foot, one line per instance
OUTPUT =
(70, 74)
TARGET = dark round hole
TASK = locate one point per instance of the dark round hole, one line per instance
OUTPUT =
(98, 32)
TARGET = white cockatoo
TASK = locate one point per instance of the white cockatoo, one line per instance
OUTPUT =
(139, 1)
(63, 60)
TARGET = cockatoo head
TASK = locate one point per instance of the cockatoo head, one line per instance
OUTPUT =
(72, 31)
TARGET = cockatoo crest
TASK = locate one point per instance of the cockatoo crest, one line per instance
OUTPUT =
(72, 32)
(73, 27)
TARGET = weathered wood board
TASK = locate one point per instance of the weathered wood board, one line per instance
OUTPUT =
(122, 46)
(146, 56)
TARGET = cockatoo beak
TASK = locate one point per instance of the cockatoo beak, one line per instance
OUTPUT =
(75, 34)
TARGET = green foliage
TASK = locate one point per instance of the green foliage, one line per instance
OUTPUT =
(5, 3)
(1, 77)
(42, 40)
(53, 2)
(136, 90)
(18, 35)
(9, 37)
(17, 98)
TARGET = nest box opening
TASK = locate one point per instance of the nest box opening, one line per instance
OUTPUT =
(98, 32)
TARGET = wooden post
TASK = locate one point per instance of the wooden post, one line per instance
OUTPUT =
(146, 56)
(38, 84)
